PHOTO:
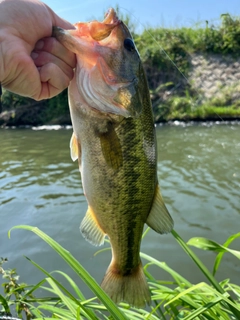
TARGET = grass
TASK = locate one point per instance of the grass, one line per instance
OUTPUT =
(206, 112)
(175, 299)
(186, 108)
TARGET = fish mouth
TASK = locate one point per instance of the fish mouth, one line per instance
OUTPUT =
(101, 30)
(88, 33)
(111, 16)
(103, 85)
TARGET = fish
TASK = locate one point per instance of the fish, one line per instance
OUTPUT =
(115, 143)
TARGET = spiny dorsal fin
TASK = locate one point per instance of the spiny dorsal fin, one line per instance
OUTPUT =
(75, 149)
(91, 230)
(111, 148)
(159, 218)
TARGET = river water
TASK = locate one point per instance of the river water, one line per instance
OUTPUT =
(199, 173)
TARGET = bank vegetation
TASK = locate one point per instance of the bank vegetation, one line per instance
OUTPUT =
(166, 55)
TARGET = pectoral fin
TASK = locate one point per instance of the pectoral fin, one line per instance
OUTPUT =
(111, 149)
(159, 218)
(75, 148)
(91, 230)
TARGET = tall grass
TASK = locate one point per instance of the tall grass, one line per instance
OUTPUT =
(175, 299)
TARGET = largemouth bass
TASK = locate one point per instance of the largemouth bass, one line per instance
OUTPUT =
(115, 144)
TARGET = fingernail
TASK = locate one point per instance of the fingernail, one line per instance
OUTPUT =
(39, 45)
(34, 55)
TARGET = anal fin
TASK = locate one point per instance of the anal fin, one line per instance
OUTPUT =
(91, 230)
(159, 218)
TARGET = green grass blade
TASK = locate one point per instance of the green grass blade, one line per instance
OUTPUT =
(185, 292)
(66, 301)
(145, 232)
(4, 304)
(202, 310)
(178, 278)
(197, 261)
(34, 288)
(72, 284)
(206, 272)
(78, 313)
(206, 244)
(51, 277)
(204, 293)
(220, 255)
(70, 304)
(36, 313)
(88, 312)
(101, 250)
(64, 314)
(235, 289)
(80, 271)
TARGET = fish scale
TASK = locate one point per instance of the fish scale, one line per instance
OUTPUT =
(114, 141)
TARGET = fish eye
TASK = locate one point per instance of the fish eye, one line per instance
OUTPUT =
(129, 45)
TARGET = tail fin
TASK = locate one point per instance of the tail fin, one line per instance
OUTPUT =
(131, 288)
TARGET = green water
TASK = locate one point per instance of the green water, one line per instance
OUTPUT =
(199, 173)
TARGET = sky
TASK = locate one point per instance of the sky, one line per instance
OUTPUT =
(163, 13)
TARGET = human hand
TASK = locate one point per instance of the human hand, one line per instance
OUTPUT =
(32, 63)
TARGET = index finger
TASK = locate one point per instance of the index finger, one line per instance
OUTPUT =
(53, 46)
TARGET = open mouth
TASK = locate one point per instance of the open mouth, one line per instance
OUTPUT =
(101, 30)
(110, 17)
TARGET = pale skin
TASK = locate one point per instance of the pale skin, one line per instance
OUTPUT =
(32, 63)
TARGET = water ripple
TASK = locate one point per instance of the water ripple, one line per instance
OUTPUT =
(198, 170)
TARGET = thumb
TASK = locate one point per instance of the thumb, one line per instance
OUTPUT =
(58, 21)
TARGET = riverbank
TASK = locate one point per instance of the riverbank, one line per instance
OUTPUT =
(31, 115)
(193, 74)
